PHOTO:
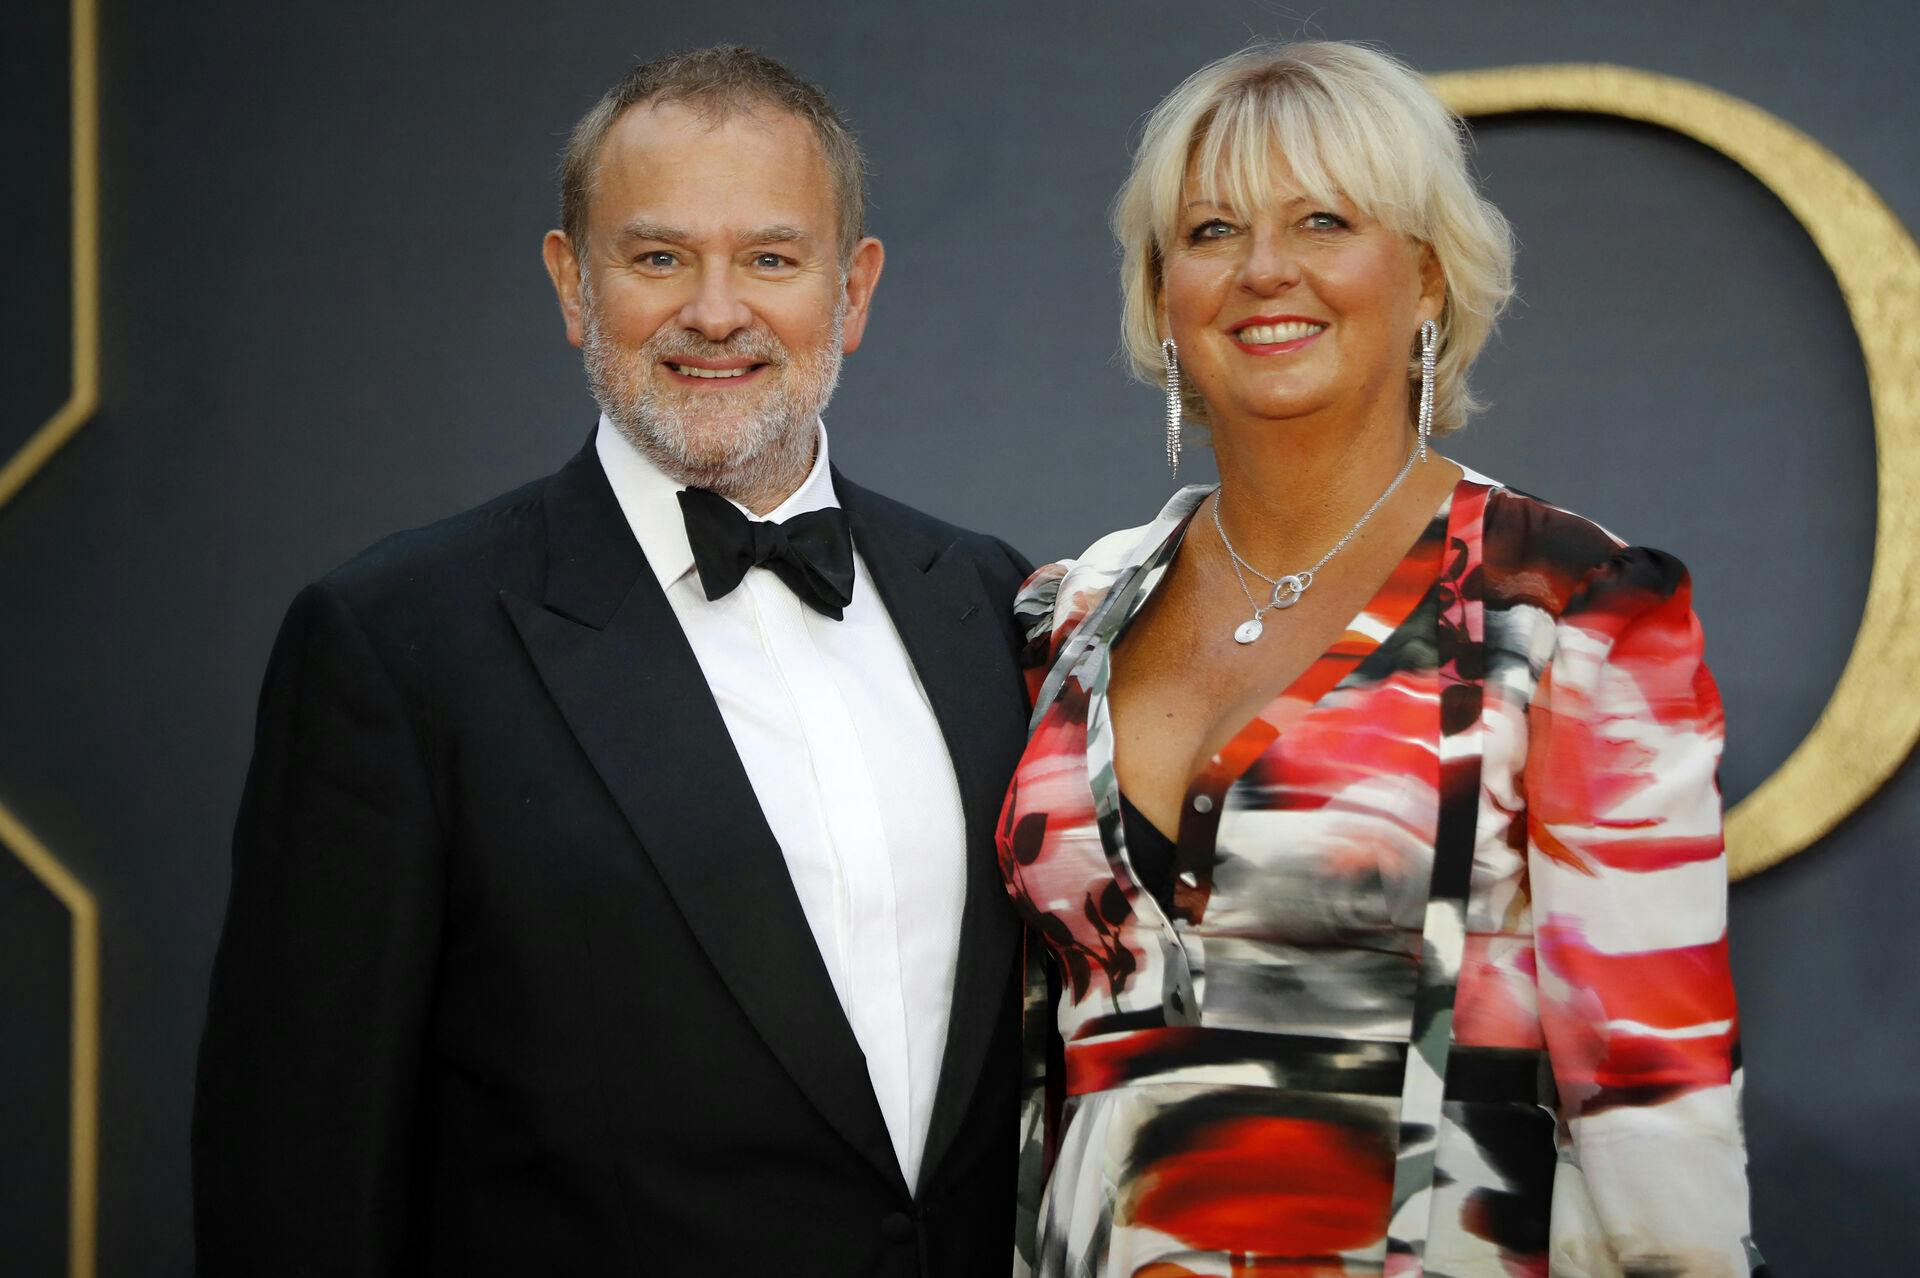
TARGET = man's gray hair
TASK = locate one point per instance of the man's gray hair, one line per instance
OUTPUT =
(717, 81)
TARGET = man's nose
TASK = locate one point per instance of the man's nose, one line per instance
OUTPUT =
(716, 310)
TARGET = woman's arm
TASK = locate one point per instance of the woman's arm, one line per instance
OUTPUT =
(1629, 885)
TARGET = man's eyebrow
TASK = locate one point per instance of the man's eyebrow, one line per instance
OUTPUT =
(640, 229)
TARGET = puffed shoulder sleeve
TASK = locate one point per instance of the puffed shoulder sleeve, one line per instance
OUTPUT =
(1629, 882)
(1035, 611)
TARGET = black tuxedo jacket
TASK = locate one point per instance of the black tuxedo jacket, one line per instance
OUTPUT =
(513, 978)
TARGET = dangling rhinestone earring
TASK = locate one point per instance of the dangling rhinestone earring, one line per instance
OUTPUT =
(1429, 346)
(1172, 353)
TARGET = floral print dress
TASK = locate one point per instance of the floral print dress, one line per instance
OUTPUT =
(1441, 983)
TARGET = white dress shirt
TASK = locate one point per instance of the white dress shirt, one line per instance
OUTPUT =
(851, 771)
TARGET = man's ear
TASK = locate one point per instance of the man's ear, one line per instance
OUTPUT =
(563, 268)
(863, 276)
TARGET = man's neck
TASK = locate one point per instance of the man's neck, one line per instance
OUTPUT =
(761, 483)
(765, 489)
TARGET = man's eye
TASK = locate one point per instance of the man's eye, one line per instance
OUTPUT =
(659, 259)
(769, 261)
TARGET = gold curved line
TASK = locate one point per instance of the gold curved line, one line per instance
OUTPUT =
(83, 1158)
(1872, 720)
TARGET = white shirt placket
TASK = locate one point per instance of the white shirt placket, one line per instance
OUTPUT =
(865, 941)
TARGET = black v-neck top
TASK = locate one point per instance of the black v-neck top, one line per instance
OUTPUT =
(1153, 854)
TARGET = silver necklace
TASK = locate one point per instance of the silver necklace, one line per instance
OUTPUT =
(1288, 589)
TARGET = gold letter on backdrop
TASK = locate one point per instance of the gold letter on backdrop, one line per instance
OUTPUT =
(1871, 721)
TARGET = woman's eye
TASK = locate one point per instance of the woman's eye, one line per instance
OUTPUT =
(1211, 229)
(1324, 221)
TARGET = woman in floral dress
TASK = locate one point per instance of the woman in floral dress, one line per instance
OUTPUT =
(1369, 827)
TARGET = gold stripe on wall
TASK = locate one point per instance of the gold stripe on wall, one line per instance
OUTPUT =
(83, 1149)
(84, 397)
(1872, 720)
(84, 1129)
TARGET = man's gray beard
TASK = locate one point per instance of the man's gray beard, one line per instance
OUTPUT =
(757, 459)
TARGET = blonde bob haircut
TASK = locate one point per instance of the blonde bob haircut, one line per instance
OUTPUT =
(1332, 119)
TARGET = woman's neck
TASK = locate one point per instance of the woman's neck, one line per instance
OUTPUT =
(1291, 489)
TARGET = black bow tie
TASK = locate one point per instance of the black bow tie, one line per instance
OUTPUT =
(812, 552)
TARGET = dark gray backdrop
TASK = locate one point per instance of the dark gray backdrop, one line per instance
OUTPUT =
(325, 318)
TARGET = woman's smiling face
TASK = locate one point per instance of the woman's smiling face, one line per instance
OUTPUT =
(1293, 307)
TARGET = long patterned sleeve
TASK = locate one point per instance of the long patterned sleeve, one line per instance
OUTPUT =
(1629, 884)
(1033, 613)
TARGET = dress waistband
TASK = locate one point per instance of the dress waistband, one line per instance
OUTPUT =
(1297, 1062)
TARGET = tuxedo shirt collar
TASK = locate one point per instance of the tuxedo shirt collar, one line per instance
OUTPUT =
(647, 498)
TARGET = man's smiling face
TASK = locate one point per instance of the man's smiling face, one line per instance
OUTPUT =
(711, 302)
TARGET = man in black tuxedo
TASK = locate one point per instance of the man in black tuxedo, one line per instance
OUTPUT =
(613, 890)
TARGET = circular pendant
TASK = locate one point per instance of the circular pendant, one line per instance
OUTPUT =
(1248, 631)
(1287, 591)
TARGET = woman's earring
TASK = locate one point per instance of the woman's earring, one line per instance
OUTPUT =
(1172, 353)
(1429, 348)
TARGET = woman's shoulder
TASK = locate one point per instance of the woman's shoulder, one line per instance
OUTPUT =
(1060, 594)
(1113, 553)
(1540, 554)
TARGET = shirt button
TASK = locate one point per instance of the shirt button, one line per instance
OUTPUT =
(1203, 803)
(896, 1228)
